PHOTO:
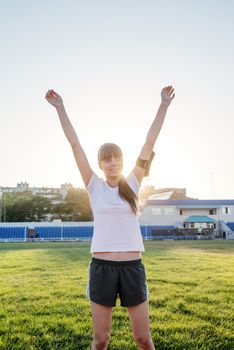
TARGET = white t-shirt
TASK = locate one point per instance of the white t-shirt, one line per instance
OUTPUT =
(116, 227)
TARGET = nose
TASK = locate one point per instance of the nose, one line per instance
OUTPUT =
(114, 161)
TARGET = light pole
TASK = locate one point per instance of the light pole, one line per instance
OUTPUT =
(5, 208)
(1, 207)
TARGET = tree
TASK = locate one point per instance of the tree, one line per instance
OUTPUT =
(76, 206)
(24, 206)
(28, 208)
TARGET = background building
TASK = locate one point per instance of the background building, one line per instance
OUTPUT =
(212, 218)
(47, 192)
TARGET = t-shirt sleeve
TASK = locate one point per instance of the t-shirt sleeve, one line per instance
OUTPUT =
(93, 182)
(133, 183)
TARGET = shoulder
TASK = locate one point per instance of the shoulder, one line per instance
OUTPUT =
(94, 182)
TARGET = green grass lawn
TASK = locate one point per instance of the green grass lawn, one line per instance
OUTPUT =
(43, 304)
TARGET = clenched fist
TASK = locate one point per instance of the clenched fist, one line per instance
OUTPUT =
(54, 99)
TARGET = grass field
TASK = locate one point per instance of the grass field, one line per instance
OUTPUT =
(43, 304)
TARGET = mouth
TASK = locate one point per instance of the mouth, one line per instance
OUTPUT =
(114, 169)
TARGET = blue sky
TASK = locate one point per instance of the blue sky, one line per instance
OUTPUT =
(109, 60)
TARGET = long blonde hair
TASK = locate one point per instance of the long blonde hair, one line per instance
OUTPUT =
(125, 192)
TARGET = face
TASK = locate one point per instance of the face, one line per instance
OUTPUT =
(112, 166)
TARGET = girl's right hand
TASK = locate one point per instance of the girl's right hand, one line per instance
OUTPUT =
(54, 99)
(167, 95)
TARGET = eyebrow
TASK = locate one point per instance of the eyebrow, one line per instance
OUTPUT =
(112, 156)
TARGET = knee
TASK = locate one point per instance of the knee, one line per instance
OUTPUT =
(144, 340)
(101, 340)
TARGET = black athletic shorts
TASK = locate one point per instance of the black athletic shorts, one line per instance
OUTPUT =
(108, 278)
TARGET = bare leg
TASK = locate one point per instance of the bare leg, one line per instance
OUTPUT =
(102, 317)
(139, 318)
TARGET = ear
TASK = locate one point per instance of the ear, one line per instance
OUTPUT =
(100, 165)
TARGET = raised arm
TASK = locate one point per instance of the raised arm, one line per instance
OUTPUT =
(82, 162)
(167, 94)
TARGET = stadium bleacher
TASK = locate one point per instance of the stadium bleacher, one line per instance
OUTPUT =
(13, 233)
(231, 225)
(63, 233)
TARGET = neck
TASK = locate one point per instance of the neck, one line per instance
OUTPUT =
(113, 181)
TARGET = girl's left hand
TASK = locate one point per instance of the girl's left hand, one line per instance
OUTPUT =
(54, 98)
(167, 95)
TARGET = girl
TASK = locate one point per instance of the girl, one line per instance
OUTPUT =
(116, 266)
